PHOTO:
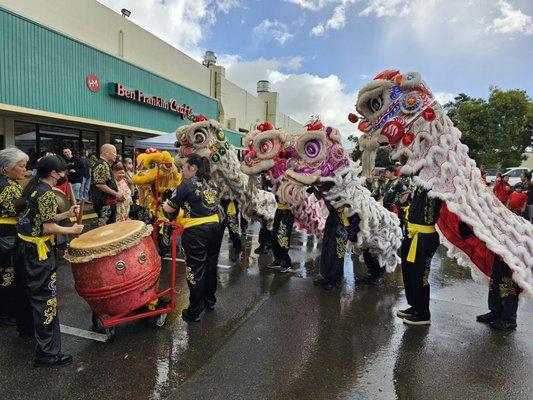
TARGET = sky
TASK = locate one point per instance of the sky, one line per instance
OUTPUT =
(318, 53)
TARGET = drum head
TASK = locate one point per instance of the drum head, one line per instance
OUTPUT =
(107, 240)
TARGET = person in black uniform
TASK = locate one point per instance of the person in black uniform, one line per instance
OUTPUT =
(35, 261)
(265, 235)
(231, 210)
(12, 167)
(199, 197)
(418, 248)
(104, 191)
(281, 238)
(333, 244)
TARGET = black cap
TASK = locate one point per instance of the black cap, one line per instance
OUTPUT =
(390, 168)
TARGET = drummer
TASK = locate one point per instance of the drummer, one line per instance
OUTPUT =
(12, 168)
(199, 197)
(35, 260)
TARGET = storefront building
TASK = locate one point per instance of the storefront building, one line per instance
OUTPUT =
(58, 92)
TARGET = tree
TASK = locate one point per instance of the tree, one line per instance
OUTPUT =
(497, 131)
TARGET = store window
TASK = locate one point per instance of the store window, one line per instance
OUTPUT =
(37, 139)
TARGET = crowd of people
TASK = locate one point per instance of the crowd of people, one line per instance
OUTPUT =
(29, 219)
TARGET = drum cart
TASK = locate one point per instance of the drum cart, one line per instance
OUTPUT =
(106, 324)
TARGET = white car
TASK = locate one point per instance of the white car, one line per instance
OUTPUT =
(514, 174)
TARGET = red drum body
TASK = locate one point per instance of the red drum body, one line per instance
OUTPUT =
(115, 267)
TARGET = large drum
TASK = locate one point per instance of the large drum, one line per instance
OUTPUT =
(116, 267)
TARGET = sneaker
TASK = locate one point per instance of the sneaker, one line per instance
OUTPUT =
(189, 318)
(503, 325)
(60, 359)
(416, 319)
(274, 265)
(405, 313)
(285, 269)
(488, 317)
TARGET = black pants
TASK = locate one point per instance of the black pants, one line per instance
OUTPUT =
(232, 222)
(265, 239)
(202, 246)
(7, 283)
(374, 269)
(416, 274)
(503, 291)
(281, 236)
(107, 214)
(37, 300)
(333, 248)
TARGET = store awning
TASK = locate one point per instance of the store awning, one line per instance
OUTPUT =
(166, 142)
(162, 142)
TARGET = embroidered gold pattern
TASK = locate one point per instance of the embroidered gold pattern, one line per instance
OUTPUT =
(51, 311)
(190, 276)
(7, 276)
(101, 174)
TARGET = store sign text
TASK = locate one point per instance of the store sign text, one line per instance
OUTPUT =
(137, 96)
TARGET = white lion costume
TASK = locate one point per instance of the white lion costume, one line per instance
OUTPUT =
(400, 112)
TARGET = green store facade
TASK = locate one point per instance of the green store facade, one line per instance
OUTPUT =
(56, 92)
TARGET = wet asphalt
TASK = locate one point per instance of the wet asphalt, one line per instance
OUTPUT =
(276, 336)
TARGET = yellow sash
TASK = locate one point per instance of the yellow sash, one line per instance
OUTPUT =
(343, 217)
(190, 222)
(412, 233)
(8, 221)
(281, 206)
(232, 210)
(40, 241)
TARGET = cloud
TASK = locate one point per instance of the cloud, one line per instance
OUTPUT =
(301, 94)
(318, 30)
(275, 29)
(443, 97)
(312, 5)
(388, 8)
(336, 22)
(512, 21)
(181, 23)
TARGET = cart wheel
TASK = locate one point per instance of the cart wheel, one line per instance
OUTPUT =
(97, 325)
(160, 320)
(110, 333)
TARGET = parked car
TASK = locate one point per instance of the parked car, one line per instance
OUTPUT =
(514, 174)
(491, 174)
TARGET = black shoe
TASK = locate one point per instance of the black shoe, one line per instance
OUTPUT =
(189, 318)
(416, 319)
(405, 313)
(375, 281)
(60, 359)
(503, 325)
(488, 317)
(332, 285)
(261, 250)
(8, 321)
(236, 256)
(285, 269)
(320, 282)
(274, 265)
(209, 306)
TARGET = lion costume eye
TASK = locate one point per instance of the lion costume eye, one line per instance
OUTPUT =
(312, 148)
(374, 104)
(153, 165)
(266, 146)
(199, 136)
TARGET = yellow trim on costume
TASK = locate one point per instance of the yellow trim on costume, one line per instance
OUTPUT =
(232, 210)
(8, 221)
(281, 206)
(412, 233)
(40, 241)
(190, 222)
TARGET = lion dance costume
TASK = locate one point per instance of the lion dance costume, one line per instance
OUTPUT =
(400, 112)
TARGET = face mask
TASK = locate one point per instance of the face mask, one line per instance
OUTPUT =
(61, 180)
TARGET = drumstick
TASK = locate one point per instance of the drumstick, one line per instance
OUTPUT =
(80, 213)
(72, 197)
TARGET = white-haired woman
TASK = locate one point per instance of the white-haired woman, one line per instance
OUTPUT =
(12, 168)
